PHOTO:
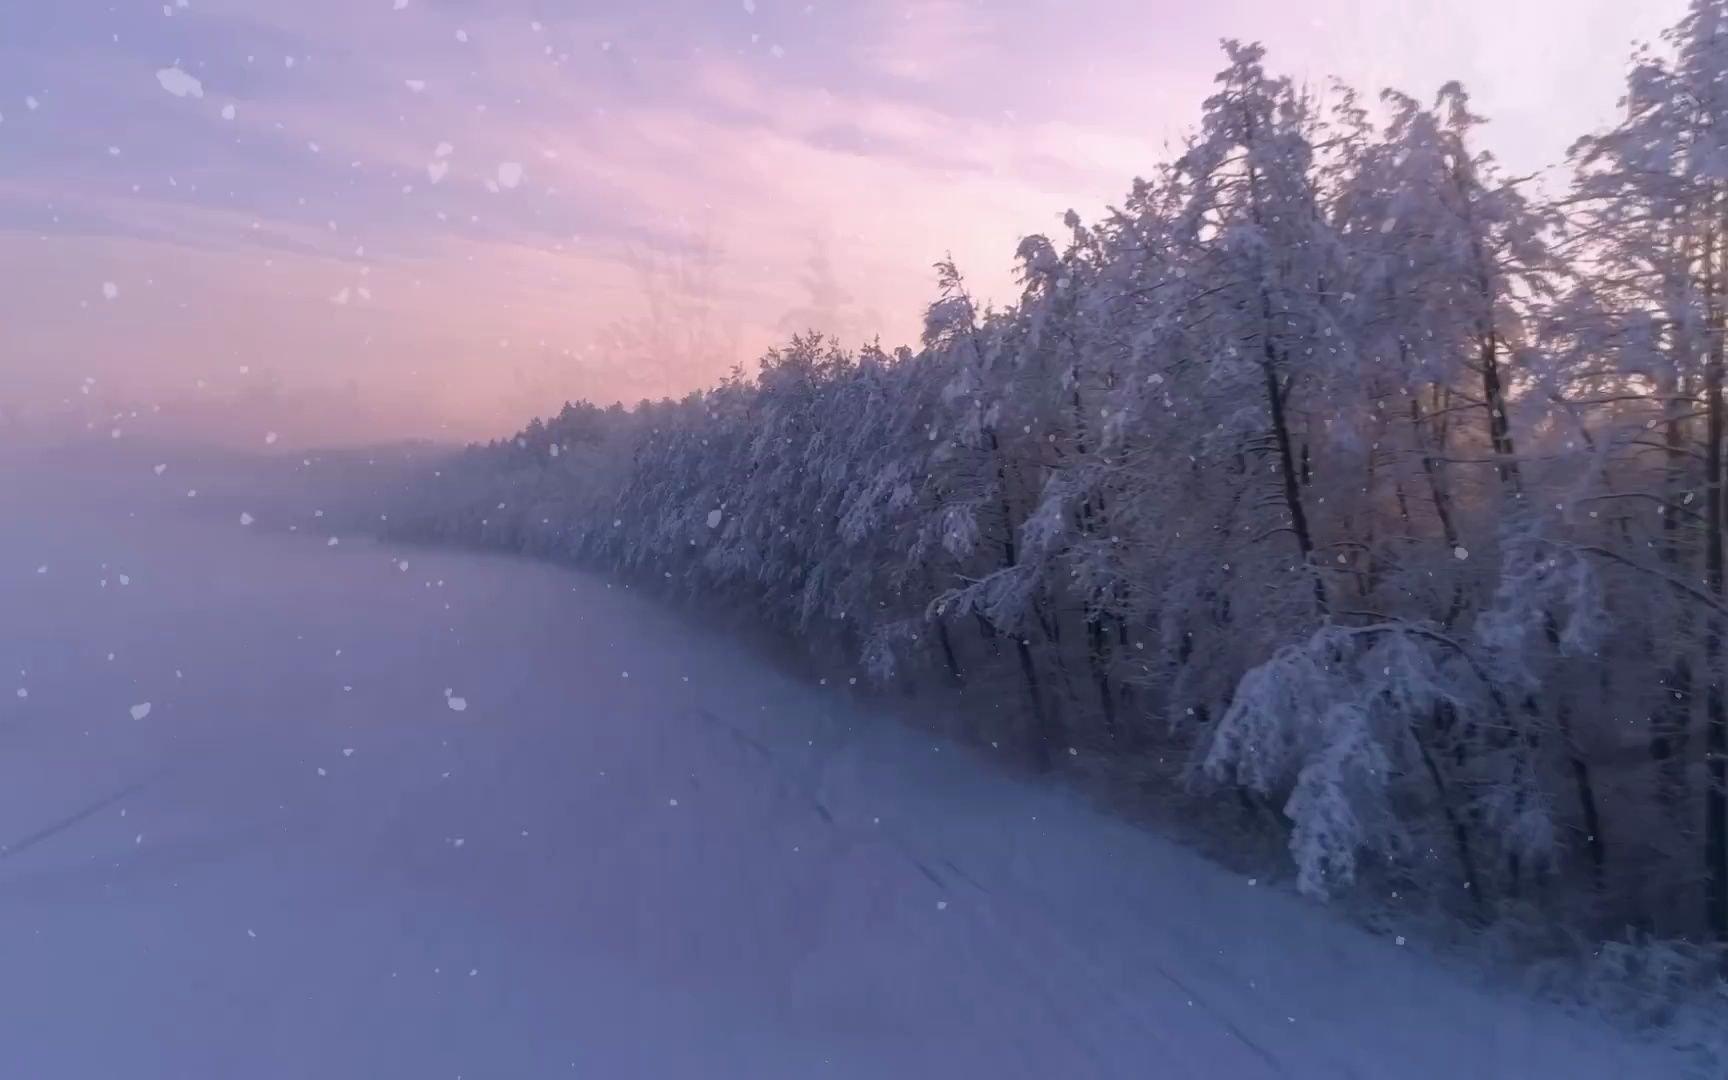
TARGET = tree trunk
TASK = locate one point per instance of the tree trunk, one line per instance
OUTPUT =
(1671, 720)
(1442, 505)
(1715, 709)
(1287, 471)
(1494, 395)
(948, 652)
(1044, 733)
(1269, 365)
(1096, 651)
(1588, 805)
(1460, 832)
(1044, 736)
(988, 634)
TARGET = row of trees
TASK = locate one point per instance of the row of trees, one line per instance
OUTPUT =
(1333, 465)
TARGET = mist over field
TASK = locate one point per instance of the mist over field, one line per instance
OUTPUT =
(281, 798)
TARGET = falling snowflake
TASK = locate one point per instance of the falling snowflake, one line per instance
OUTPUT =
(179, 83)
(141, 710)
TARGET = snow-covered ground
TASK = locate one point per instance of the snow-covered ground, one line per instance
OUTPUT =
(634, 851)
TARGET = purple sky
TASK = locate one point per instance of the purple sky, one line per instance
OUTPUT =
(343, 219)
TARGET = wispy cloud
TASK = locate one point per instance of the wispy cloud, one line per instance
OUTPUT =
(446, 203)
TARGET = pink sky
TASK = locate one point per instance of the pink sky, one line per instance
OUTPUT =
(298, 221)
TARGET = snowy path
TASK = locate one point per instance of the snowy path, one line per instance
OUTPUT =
(697, 869)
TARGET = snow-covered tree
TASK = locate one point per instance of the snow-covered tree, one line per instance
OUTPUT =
(1310, 473)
